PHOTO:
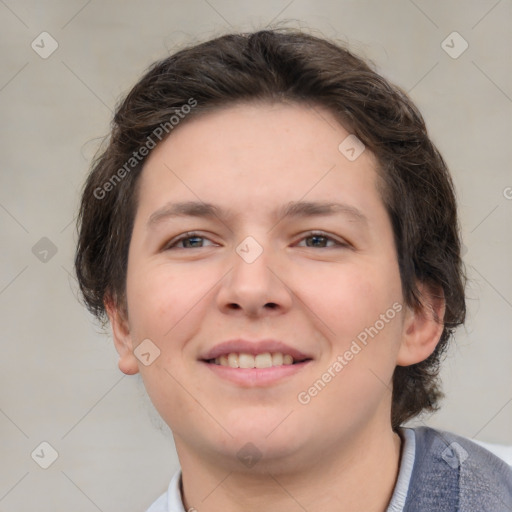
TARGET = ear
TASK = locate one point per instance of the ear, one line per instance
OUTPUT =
(422, 328)
(128, 363)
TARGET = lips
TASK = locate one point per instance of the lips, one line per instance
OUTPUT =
(253, 354)
(253, 364)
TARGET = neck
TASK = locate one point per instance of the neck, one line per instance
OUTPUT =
(360, 475)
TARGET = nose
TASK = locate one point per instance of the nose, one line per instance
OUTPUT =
(255, 287)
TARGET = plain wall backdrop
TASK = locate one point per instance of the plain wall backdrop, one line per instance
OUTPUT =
(59, 378)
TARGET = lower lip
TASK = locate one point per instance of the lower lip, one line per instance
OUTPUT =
(254, 377)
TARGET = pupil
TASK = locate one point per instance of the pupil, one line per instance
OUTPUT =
(190, 241)
(317, 238)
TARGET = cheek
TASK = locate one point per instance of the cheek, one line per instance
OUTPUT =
(162, 299)
(165, 305)
(349, 298)
(362, 309)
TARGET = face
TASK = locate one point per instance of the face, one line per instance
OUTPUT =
(257, 241)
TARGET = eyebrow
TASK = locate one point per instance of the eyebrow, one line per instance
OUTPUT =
(292, 209)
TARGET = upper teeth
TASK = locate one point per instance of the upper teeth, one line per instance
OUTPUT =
(243, 360)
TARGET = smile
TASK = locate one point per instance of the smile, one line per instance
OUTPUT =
(255, 363)
(244, 360)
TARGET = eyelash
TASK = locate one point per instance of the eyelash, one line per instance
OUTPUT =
(193, 234)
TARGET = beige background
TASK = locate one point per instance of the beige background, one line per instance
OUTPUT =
(59, 377)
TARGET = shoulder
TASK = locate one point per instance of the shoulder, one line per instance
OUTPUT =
(452, 472)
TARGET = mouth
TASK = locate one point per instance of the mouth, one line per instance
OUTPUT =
(263, 360)
(255, 363)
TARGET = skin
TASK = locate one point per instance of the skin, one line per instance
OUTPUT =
(338, 452)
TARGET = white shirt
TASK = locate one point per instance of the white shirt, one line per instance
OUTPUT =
(171, 500)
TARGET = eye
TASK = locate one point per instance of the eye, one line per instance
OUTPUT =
(189, 240)
(321, 240)
(194, 240)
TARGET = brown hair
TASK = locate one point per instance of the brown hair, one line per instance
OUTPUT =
(286, 65)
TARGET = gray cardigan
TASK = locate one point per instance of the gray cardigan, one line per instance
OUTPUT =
(453, 474)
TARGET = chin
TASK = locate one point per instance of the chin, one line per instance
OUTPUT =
(271, 436)
(262, 456)
(259, 421)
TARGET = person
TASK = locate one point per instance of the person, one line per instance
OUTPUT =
(274, 239)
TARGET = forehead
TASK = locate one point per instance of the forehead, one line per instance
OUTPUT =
(251, 155)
